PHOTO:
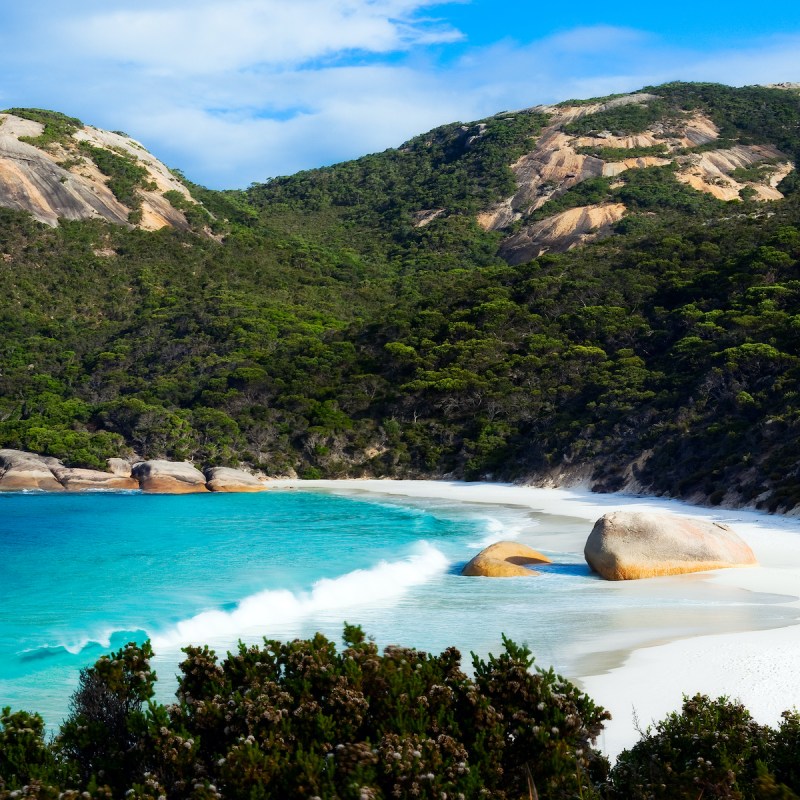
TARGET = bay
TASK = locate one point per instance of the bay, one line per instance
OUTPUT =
(81, 574)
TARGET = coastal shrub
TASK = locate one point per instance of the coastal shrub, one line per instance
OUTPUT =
(301, 719)
(24, 756)
(711, 749)
(101, 738)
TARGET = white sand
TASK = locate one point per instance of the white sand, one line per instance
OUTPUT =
(758, 667)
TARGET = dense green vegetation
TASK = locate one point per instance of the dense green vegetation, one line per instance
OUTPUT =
(299, 719)
(327, 332)
(124, 174)
(58, 127)
(620, 120)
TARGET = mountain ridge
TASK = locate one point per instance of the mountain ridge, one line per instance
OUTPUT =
(364, 319)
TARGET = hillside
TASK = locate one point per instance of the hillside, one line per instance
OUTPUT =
(55, 167)
(603, 291)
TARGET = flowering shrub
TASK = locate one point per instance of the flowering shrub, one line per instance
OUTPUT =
(711, 749)
(303, 720)
(299, 719)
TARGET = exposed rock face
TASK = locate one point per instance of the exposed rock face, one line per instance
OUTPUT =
(560, 161)
(226, 479)
(505, 560)
(78, 480)
(710, 171)
(62, 182)
(119, 466)
(561, 232)
(627, 545)
(169, 477)
(20, 471)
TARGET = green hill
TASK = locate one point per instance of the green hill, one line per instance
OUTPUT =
(602, 290)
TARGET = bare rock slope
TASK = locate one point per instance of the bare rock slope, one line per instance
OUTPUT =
(58, 176)
(561, 160)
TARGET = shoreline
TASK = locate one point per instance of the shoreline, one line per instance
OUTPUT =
(756, 666)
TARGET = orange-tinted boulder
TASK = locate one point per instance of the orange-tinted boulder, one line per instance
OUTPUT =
(505, 560)
(22, 471)
(227, 479)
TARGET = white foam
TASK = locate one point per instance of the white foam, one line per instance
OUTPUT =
(759, 667)
(265, 611)
(496, 530)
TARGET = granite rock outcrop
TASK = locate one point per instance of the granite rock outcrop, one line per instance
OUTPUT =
(505, 560)
(169, 477)
(628, 545)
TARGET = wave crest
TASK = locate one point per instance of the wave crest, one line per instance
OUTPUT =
(265, 610)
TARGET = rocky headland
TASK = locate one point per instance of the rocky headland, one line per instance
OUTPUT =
(23, 471)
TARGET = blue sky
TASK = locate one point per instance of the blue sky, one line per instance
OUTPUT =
(238, 91)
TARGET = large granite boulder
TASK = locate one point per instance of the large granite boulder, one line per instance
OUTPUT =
(169, 477)
(227, 479)
(119, 466)
(77, 480)
(505, 560)
(626, 545)
(21, 471)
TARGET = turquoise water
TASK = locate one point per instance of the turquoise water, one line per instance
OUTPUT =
(83, 573)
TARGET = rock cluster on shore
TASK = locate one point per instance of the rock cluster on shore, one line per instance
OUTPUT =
(22, 471)
(629, 545)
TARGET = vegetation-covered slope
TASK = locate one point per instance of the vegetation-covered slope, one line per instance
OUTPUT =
(372, 317)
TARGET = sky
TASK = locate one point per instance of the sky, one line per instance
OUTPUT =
(234, 92)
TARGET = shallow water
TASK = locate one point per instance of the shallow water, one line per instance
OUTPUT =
(80, 574)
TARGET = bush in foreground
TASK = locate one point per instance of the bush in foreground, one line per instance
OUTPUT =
(300, 719)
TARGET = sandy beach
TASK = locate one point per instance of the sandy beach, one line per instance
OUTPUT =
(758, 667)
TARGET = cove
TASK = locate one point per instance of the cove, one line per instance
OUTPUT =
(80, 574)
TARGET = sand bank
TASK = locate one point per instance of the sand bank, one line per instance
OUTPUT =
(758, 667)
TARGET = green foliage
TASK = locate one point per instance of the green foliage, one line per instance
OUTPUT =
(24, 756)
(324, 331)
(58, 128)
(751, 114)
(620, 120)
(588, 192)
(657, 188)
(713, 749)
(298, 719)
(125, 175)
(622, 153)
(99, 741)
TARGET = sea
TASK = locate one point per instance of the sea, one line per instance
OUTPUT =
(83, 574)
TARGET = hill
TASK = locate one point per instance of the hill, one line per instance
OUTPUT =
(604, 291)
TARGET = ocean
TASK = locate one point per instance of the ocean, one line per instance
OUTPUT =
(81, 574)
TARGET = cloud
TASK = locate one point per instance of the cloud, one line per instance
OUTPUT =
(239, 91)
(213, 37)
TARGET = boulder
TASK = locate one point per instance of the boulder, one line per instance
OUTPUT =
(169, 477)
(505, 560)
(627, 545)
(227, 479)
(77, 480)
(20, 471)
(119, 466)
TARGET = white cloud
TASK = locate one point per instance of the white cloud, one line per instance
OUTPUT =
(209, 37)
(238, 91)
